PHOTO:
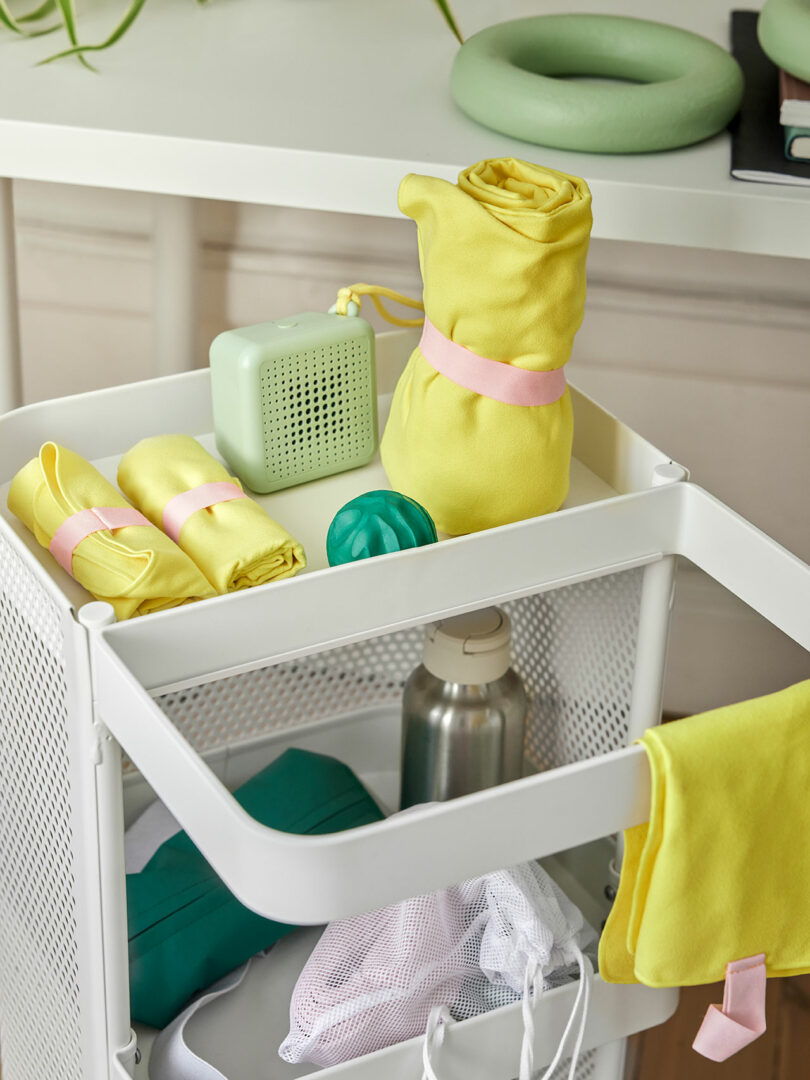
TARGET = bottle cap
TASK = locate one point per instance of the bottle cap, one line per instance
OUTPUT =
(471, 648)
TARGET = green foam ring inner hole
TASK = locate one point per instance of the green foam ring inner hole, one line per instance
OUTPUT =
(670, 87)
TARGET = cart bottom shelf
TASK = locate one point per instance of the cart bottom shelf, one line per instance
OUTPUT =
(239, 1033)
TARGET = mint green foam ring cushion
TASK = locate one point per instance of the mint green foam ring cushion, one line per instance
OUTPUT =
(677, 88)
(186, 928)
(784, 34)
(377, 523)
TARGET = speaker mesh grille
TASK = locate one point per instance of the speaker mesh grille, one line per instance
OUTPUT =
(318, 411)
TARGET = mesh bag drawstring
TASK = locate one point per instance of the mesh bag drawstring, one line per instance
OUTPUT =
(440, 1018)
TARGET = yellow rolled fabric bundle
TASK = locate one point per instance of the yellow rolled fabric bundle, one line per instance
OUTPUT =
(234, 543)
(136, 568)
(503, 268)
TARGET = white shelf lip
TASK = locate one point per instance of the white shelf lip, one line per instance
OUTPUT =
(488, 1045)
(744, 219)
(316, 879)
(376, 596)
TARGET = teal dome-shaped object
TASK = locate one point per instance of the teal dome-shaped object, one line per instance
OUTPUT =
(377, 523)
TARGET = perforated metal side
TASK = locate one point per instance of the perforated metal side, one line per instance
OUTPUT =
(40, 1022)
(586, 1067)
(574, 649)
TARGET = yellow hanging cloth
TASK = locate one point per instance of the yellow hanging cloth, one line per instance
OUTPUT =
(136, 568)
(234, 542)
(722, 870)
(503, 267)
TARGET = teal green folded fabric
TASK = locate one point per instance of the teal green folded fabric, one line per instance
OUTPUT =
(186, 929)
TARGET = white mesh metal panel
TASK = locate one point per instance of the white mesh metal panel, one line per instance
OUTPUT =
(39, 980)
(234, 710)
(574, 649)
(586, 1067)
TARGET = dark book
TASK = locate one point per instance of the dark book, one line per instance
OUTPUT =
(757, 138)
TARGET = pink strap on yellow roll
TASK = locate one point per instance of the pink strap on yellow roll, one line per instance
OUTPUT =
(180, 508)
(489, 378)
(82, 524)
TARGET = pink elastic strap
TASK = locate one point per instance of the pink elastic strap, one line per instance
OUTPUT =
(179, 509)
(78, 526)
(489, 378)
(741, 1019)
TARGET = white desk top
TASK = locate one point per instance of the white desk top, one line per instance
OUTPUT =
(326, 104)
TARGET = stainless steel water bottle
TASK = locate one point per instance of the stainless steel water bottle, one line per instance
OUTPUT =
(463, 711)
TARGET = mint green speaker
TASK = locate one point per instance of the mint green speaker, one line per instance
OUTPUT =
(295, 399)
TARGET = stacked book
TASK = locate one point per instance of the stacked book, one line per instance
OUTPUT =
(758, 139)
(794, 115)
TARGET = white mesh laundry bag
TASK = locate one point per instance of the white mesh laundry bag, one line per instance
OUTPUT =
(375, 979)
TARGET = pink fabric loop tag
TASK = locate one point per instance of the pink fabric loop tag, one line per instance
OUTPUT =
(82, 524)
(180, 508)
(489, 378)
(741, 1019)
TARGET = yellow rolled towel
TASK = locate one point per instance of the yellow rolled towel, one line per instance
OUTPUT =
(136, 568)
(503, 268)
(233, 541)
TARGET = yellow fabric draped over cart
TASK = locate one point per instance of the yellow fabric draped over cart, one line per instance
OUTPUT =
(722, 870)
(503, 267)
(137, 568)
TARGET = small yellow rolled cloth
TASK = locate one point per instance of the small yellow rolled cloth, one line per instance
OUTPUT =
(503, 268)
(234, 543)
(722, 870)
(136, 568)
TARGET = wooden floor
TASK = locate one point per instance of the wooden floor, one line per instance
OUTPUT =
(783, 1052)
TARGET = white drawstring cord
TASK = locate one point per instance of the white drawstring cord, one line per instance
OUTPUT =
(527, 1008)
(438, 1021)
(585, 973)
(440, 1017)
(529, 1000)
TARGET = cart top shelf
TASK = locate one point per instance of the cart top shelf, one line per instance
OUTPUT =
(327, 105)
(609, 461)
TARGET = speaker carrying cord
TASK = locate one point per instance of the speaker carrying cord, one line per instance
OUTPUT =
(350, 300)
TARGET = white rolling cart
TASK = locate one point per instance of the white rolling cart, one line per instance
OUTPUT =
(196, 699)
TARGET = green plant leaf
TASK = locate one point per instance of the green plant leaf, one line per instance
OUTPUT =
(68, 13)
(45, 31)
(129, 18)
(8, 20)
(39, 13)
(449, 18)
